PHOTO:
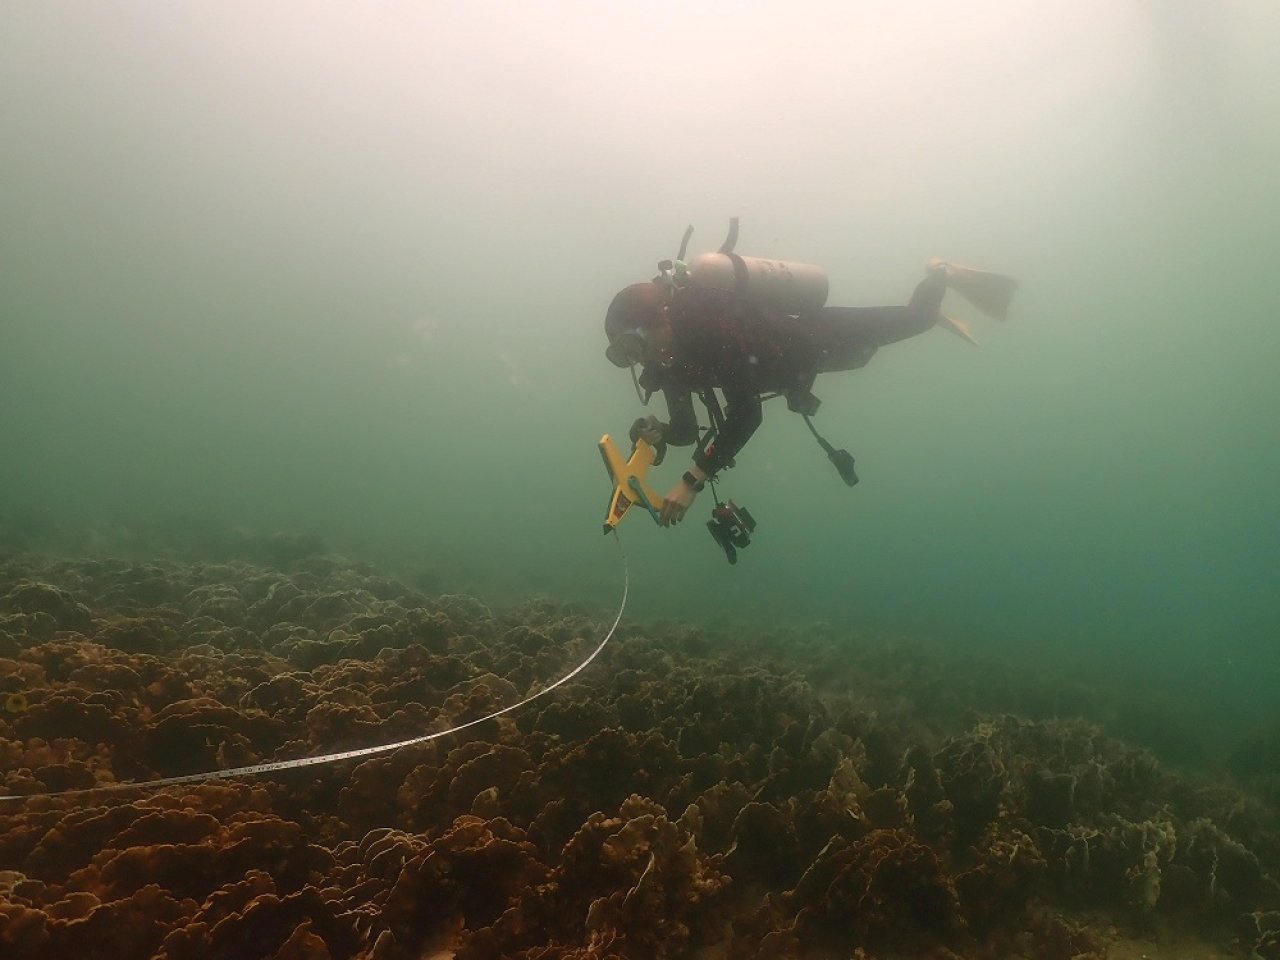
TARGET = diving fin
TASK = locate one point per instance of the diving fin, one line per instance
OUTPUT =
(958, 327)
(989, 292)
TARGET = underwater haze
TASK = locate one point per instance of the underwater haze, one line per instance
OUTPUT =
(340, 270)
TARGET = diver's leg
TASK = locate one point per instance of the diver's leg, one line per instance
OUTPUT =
(848, 336)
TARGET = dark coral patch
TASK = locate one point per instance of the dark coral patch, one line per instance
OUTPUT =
(700, 792)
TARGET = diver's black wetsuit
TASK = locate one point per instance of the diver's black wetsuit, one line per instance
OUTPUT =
(721, 340)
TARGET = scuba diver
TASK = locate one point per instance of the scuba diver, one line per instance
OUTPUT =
(756, 329)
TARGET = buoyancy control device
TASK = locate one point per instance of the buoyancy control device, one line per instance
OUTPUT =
(790, 288)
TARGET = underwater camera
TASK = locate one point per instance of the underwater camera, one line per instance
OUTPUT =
(731, 527)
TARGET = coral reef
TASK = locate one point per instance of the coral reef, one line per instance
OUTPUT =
(702, 792)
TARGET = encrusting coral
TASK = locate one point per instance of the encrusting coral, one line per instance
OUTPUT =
(755, 795)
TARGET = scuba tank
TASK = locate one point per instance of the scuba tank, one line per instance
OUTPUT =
(789, 288)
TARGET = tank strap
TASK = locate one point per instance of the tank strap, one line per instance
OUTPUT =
(740, 276)
(714, 412)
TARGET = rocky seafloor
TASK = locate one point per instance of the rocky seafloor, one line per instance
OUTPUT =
(698, 792)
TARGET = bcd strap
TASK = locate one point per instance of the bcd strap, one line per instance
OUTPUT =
(712, 403)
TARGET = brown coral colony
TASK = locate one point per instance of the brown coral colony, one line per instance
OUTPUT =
(698, 793)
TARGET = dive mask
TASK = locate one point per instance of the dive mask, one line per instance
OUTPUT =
(627, 348)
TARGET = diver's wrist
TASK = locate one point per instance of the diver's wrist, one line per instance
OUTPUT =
(695, 478)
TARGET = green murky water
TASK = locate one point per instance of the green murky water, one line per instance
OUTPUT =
(342, 271)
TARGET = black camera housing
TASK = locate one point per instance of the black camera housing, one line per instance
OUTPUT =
(731, 527)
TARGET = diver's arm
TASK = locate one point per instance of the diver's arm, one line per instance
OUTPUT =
(682, 430)
(705, 345)
(743, 415)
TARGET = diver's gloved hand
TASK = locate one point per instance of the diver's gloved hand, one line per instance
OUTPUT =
(677, 503)
(680, 497)
(650, 429)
